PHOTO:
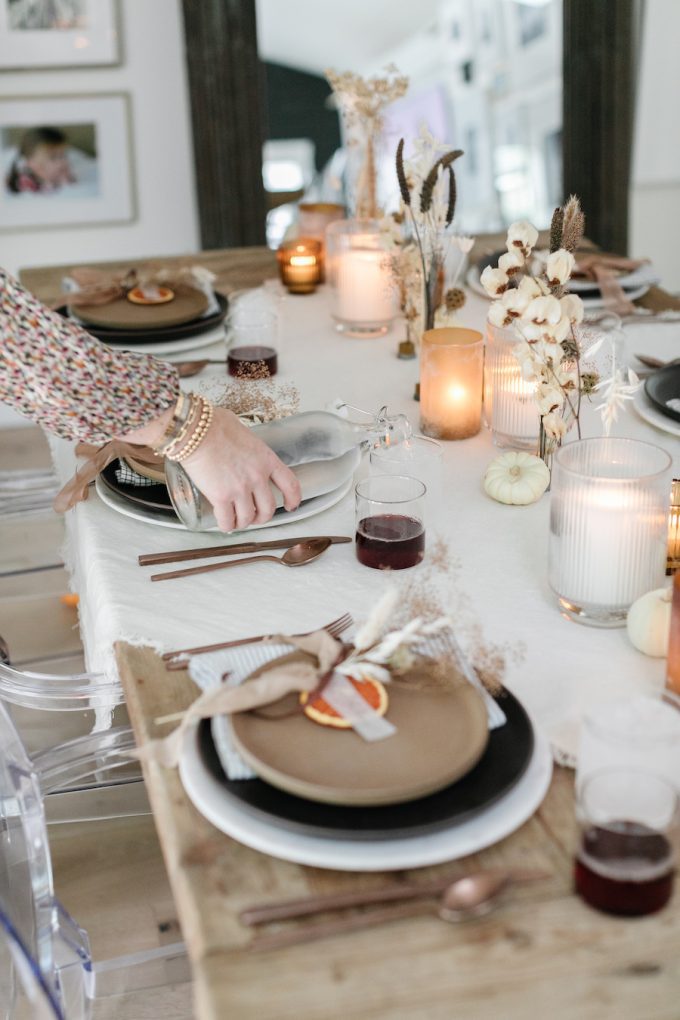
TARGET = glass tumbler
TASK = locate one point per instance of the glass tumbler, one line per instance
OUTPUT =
(417, 457)
(252, 337)
(639, 732)
(510, 408)
(390, 522)
(628, 838)
(608, 527)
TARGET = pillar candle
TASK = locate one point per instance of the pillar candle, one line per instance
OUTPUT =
(673, 666)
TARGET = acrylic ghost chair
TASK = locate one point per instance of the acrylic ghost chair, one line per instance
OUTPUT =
(91, 776)
(38, 923)
(24, 993)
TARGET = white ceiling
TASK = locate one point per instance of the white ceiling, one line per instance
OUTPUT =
(348, 35)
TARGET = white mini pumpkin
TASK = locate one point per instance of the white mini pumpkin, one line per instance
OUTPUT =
(649, 622)
(516, 478)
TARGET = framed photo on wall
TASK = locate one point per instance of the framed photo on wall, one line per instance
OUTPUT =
(57, 33)
(65, 161)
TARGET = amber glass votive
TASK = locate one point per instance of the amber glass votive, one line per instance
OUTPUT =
(300, 264)
(451, 373)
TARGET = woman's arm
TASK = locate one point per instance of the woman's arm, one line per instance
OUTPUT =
(56, 374)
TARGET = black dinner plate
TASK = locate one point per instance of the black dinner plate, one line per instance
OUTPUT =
(158, 334)
(502, 765)
(663, 386)
(153, 497)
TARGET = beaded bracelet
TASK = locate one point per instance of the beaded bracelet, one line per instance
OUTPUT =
(184, 424)
(198, 434)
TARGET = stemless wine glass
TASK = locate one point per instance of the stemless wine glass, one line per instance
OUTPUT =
(416, 457)
(252, 336)
(628, 835)
(390, 522)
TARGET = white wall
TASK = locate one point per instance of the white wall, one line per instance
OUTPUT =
(655, 189)
(152, 71)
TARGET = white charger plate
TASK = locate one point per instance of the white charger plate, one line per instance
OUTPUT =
(490, 826)
(652, 415)
(309, 508)
(193, 343)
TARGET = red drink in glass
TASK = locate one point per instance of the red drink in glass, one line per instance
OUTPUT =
(254, 361)
(390, 541)
(625, 868)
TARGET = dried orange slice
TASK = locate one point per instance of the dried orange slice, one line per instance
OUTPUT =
(138, 297)
(321, 712)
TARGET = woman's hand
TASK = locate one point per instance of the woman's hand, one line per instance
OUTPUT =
(233, 469)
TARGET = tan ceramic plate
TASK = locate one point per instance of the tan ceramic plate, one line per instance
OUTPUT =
(147, 470)
(122, 314)
(440, 736)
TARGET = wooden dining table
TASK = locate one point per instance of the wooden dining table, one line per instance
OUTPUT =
(542, 952)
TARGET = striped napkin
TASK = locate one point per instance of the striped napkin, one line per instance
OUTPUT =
(207, 671)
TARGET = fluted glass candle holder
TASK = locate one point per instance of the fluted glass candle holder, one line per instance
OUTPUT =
(358, 268)
(510, 408)
(608, 527)
(451, 374)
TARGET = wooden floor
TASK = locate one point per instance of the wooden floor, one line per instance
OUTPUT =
(109, 875)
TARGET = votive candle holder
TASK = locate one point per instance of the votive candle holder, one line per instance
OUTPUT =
(451, 377)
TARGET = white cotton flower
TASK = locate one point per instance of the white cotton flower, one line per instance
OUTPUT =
(511, 262)
(561, 330)
(499, 315)
(494, 281)
(464, 243)
(543, 310)
(549, 398)
(529, 288)
(525, 355)
(559, 267)
(522, 236)
(572, 307)
(554, 425)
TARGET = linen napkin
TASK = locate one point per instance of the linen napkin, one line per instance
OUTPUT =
(207, 672)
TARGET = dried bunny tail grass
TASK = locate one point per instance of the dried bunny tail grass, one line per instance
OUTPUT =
(401, 175)
(451, 207)
(556, 229)
(427, 190)
(573, 225)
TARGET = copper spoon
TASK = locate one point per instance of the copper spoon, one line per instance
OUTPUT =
(467, 897)
(187, 369)
(296, 556)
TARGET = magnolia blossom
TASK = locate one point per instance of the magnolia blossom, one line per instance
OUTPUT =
(494, 281)
(559, 267)
(511, 262)
(554, 425)
(522, 236)
(572, 307)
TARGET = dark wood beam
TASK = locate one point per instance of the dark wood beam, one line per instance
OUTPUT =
(226, 86)
(599, 47)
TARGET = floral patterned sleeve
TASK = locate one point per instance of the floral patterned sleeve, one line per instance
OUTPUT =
(56, 374)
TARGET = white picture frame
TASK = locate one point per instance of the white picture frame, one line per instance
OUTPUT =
(87, 139)
(58, 33)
